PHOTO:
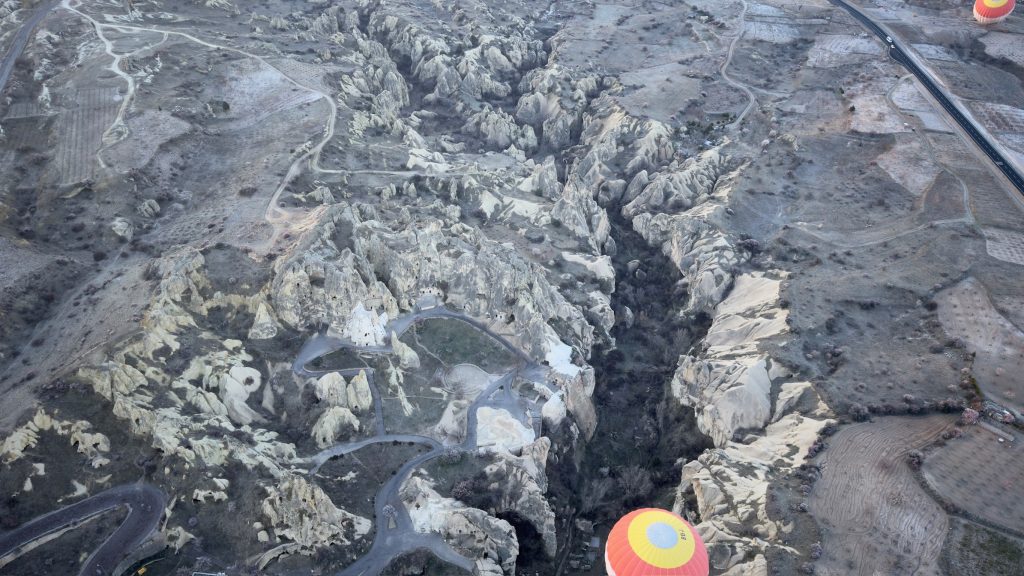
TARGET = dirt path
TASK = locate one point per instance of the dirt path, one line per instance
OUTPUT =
(725, 74)
(875, 517)
(279, 218)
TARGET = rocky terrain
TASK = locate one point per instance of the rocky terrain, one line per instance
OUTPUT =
(397, 286)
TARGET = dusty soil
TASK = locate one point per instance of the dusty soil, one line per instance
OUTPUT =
(980, 475)
(874, 516)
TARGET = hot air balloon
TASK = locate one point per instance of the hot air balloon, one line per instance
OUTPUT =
(653, 542)
(992, 11)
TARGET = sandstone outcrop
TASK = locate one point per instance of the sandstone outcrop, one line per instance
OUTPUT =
(730, 385)
(93, 445)
(519, 484)
(302, 516)
(331, 389)
(333, 424)
(488, 539)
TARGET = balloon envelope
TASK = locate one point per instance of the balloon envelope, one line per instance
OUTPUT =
(653, 542)
(991, 11)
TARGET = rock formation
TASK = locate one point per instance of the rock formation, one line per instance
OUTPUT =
(303, 518)
(491, 541)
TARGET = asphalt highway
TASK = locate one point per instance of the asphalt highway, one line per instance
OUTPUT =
(21, 40)
(897, 53)
(145, 504)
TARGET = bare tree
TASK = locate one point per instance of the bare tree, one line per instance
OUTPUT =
(595, 493)
(635, 482)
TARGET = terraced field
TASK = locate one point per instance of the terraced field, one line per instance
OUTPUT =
(81, 132)
(875, 517)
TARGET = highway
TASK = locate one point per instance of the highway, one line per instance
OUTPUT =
(145, 504)
(21, 40)
(897, 53)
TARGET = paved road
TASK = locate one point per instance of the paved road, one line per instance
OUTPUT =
(21, 40)
(900, 55)
(321, 458)
(395, 534)
(145, 504)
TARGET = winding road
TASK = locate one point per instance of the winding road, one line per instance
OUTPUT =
(395, 534)
(146, 507)
(751, 100)
(973, 131)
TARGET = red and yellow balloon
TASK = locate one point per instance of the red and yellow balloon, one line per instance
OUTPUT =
(653, 542)
(992, 11)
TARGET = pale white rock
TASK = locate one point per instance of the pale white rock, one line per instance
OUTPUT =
(365, 327)
(543, 181)
(235, 388)
(202, 496)
(756, 567)
(749, 314)
(554, 410)
(123, 228)
(599, 266)
(331, 388)
(480, 277)
(335, 422)
(408, 359)
(789, 396)
(113, 379)
(729, 395)
(360, 398)
(559, 357)
(498, 429)
(731, 485)
(93, 445)
(679, 189)
(451, 427)
(264, 327)
(491, 540)
(519, 484)
(499, 130)
(149, 208)
(79, 491)
(302, 513)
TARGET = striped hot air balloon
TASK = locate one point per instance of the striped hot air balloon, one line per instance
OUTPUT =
(653, 542)
(992, 11)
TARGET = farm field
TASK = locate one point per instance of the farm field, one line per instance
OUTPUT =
(875, 517)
